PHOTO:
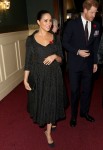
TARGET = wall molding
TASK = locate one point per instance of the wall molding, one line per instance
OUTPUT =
(12, 57)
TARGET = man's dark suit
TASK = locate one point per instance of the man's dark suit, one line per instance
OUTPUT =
(80, 68)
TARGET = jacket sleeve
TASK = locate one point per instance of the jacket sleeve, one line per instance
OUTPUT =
(96, 43)
(67, 36)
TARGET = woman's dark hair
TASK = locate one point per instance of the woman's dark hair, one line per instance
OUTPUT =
(41, 13)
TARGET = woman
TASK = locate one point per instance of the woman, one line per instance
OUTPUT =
(43, 76)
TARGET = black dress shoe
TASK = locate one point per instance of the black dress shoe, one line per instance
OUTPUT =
(73, 122)
(87, 117)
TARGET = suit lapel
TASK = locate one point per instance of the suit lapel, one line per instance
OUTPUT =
(81, 27)
(82, 30)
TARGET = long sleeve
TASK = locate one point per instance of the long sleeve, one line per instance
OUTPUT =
(59, 51)
(67, 37)
(28, 57)
(96, 44)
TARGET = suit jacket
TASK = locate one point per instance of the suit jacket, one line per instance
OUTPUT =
(74, 39)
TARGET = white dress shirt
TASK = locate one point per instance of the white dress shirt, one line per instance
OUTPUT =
(89, 25)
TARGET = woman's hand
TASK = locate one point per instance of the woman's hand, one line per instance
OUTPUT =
(48, 60)
(27, 86)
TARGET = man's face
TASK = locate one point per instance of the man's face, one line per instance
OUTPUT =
(90, 14)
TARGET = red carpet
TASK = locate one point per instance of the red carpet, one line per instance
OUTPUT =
(18, 132)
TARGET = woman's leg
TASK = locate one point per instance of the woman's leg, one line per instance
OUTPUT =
(48, 134)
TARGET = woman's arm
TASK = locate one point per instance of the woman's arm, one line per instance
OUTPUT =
(58, 58)
(28, 63)
(26, 84)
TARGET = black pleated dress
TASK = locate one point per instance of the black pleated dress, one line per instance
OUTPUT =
(46, 101)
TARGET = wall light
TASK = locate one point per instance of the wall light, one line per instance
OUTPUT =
(4, 4)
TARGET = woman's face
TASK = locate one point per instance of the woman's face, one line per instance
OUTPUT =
(45, 22)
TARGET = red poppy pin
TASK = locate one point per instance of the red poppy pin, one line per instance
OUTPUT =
(94, 25)
(51, 42)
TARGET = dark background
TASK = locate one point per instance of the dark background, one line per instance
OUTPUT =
(15, 18)
(23, 12)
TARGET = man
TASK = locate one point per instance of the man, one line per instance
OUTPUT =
(81, 40)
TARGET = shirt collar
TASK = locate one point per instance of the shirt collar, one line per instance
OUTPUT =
(84, 20)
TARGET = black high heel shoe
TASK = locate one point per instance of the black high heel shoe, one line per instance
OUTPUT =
(50, 144)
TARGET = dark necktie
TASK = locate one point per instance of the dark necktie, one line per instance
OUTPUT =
(86, 31)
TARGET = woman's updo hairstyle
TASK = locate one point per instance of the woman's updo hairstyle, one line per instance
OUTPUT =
(41, 13)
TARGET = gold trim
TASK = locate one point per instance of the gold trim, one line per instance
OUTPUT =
(33, 26)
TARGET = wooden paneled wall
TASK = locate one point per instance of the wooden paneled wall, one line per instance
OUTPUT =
(12, 56)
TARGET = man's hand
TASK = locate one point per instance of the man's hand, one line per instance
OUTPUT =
(95, 67)
(83, 53)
